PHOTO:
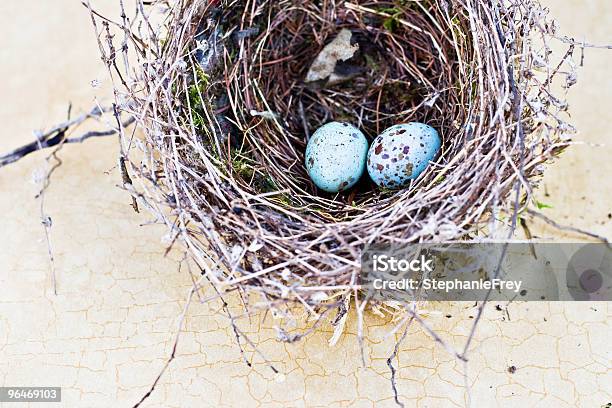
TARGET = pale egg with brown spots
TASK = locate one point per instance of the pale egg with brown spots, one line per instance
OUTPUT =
(401, 153)
(335, 156)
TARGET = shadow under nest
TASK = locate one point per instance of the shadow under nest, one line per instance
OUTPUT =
(253, 70)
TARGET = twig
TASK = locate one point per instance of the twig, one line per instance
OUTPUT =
(566, 227)
(58, 135)
(45, 219)
(583, 44)
(304, 121)
(390, 363)
(174, 348)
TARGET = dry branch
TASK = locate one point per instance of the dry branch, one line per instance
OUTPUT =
(59, 135)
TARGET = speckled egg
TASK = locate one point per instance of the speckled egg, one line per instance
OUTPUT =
(401, 153)
(336, 156)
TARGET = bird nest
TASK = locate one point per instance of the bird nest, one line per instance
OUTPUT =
(220, 92)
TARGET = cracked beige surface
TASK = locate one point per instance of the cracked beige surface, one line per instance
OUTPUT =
(106, 335)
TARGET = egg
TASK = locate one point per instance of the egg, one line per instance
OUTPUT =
(401, 153)
(336, 156)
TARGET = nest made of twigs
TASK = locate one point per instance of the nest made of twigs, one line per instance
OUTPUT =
(226, 114)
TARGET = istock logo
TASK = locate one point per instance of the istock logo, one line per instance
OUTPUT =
(473, 271)
(389, 263)
(588, 274)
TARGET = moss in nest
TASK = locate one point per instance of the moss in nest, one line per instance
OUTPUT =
(391, 23)
(263, 183)
(246, 168)
(283, 199)
(243, 168)
(195, 94)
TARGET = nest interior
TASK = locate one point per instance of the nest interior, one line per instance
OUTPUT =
(404, 70)
(226, 114)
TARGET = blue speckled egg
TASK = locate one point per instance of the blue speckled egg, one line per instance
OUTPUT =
(401, 153)
(336, 156)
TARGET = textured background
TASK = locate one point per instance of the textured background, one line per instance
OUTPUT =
(108, 332)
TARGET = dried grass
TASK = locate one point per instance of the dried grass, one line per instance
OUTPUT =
(218, 91)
